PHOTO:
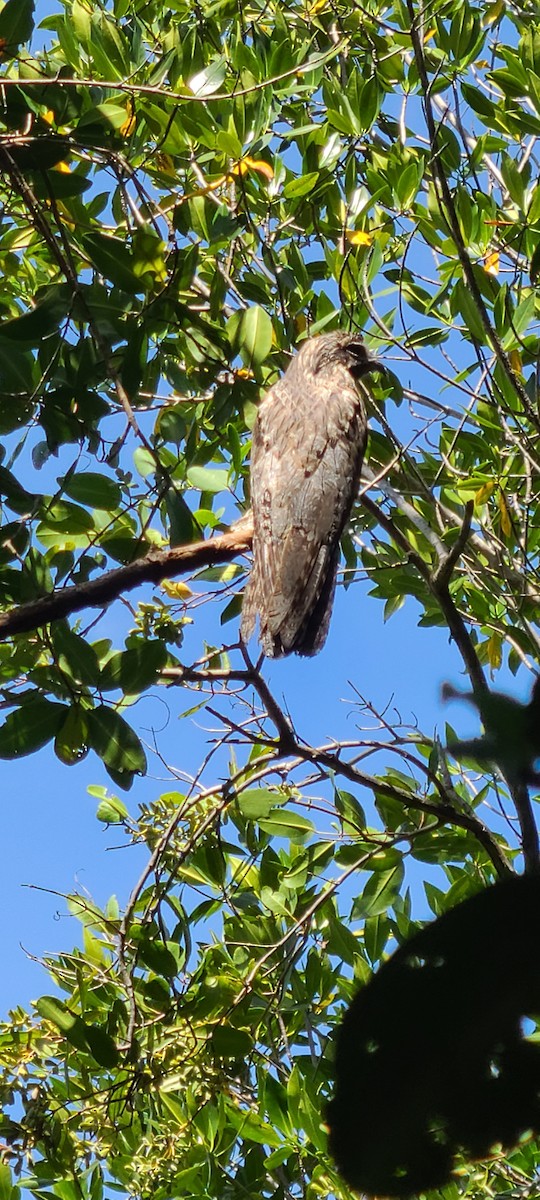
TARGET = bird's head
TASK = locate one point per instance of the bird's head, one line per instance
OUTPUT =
(347, 349)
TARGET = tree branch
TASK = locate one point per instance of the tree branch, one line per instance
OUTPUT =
(437, 579)
(444, 808)
(155, 566)
(529, 833)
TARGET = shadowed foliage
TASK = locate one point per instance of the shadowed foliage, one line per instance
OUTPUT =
(433, 1059)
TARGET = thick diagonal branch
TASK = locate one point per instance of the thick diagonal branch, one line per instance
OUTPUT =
(158, 565)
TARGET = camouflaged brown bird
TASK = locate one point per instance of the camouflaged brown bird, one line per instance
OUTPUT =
(308, 445)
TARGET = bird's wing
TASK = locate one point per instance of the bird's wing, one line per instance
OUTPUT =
(306, 457)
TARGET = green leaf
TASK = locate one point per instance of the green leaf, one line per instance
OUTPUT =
(250, 334)
(134, 670)
(301, 186)
(112, 811)
(479, 102)
(52, 1009)
(16, 25)
(101, 1045)
(30, 727)
(469, 311)
(61, 516)
(342, 942)
(183, 527)
(380, 892)
(429, 335)
(115, 741)
(208, 479)
(392, 605)
(71, 741)
(287, 823)
(228, 1042)
(7, 1191)
(258, 802)
(252, 1128)
(156, 956)
(350, 811)
(113, 260)
(76, 657)
(41, 320)
(210, 80)
(97, 491)
(16, 496)
(534, 269)
(59, 184)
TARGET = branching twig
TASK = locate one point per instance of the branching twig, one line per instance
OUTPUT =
(444, 808)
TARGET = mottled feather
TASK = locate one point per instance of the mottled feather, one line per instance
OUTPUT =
(308, 445)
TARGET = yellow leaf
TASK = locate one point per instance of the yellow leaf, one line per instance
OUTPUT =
(253, 164)
(515, 361)
(491, 263)
(317, 7)
(130, 122)
(494, 652)
(506, 524)
(49, 116)
(63, 167)
(484, 493)
(262, 168)
(176, 590)
(300, 323)
(493, 12)
(358, 237)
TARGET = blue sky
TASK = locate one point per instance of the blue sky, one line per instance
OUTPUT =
(52, 839)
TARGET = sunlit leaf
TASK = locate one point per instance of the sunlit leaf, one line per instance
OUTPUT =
(111, 811)
(208, 479)
(250, 334)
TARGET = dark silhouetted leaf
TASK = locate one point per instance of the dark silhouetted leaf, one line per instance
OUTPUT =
(432, 1058)
(228, 1042)
(16, 25)
(30, 727)
(115, 741)
(135, 669)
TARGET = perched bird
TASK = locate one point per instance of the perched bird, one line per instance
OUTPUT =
(512, 732)
(308, 445)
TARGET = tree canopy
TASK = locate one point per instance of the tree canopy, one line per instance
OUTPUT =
(188, 190)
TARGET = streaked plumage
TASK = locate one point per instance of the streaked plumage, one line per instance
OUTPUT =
(308, 445)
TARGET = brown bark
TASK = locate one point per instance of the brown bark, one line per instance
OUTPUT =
(155, 566)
